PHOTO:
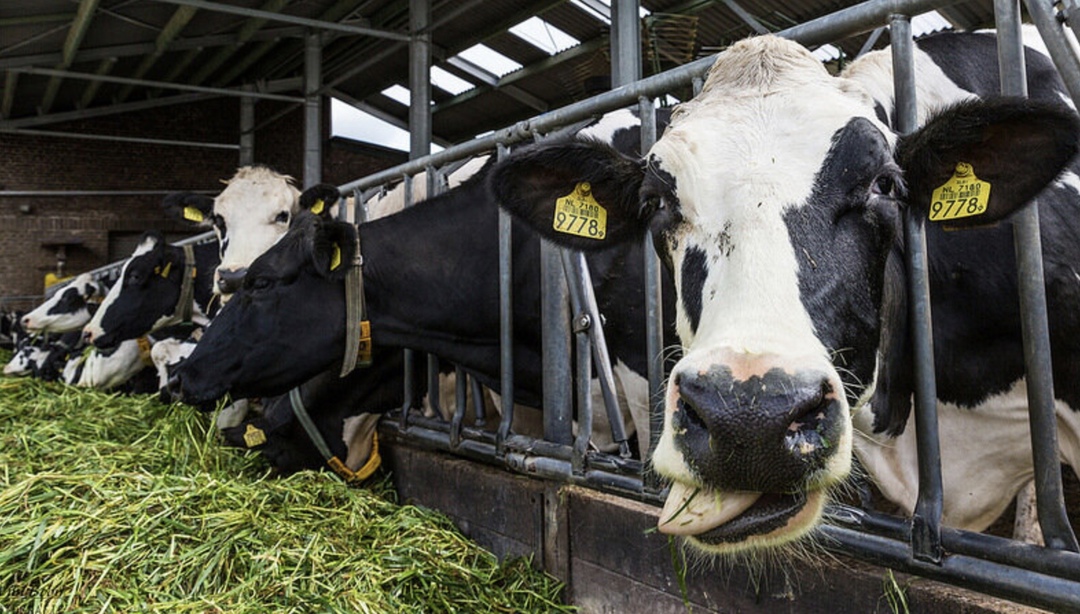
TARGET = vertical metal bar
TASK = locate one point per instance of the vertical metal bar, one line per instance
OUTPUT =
(654, 311)
(408, 356)
(586, 316)
(359, 210)
(584, 394)
(419, 79)
(247, 129)
(1053, 35)
(926, 521)
(312, 110)
(506, 324)
(625, 42)
(1057, 532)
(460, 400)
(479, 395)
(434, 187)
(555, 341)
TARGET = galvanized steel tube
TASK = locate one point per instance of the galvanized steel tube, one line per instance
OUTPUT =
(926, 521)
(1054, 521)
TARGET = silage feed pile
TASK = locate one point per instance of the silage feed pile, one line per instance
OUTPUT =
(121, 504)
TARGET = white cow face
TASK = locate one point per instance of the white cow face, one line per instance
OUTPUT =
(774, 199)
(69, 309)
(249, 216)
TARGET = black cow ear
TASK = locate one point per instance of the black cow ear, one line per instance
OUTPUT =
(334, 245)
(580, 194)
(979, 161)
(192, 208)
(319, 198)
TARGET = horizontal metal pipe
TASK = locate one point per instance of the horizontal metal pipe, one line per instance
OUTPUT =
(65, 193)
(293, 19)
(119, 139)
(67, 74)
(1005, 581)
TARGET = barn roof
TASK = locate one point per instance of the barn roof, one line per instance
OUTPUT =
(67, 59)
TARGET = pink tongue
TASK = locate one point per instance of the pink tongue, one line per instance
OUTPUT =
(692, 510)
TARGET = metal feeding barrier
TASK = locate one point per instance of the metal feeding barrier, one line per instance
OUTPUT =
(1042, 576)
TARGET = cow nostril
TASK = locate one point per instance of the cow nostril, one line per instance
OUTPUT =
(806, 433)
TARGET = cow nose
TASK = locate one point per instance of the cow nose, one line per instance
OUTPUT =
(26, 322)
(173, 387)
(88, 336)
(229, 280)
(767, 433)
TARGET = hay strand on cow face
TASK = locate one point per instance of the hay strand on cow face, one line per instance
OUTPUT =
(120, 504)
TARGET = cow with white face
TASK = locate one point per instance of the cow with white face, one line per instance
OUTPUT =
(69, 309)
(250, 215)
(775, 198)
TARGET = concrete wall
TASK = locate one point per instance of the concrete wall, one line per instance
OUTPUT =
(30, 225)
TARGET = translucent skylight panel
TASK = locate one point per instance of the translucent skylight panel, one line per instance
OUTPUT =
(350, 122)
(827, 53)
(490, 60)
(398, 93)
(449, 82)
(928, 23)
(543, 35)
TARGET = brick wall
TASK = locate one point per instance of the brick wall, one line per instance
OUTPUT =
(31, 226)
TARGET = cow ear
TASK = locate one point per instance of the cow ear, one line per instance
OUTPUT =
(319, 198)
(192, 208)
(979, 161)
(333, 248)
(580, 194)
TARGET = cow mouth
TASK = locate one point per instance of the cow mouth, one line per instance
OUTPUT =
(737, 520)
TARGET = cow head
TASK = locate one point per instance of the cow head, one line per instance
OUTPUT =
(775, 199)
(250, 215)
(69, 309)
(292, 303)
(145, 297)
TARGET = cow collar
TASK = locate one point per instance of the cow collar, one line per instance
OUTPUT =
(357, 327)
(185, 305)
(350, 476)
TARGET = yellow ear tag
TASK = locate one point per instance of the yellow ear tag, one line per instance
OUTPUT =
(335, 258)
(964, 195)
(165, 272)
(253, 436)
(579, 214)
(318, 207)
(193, 214)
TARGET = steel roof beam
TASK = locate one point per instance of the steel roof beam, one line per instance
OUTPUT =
(122, 51)
(32, 20)
(244, 35)
(115, 109)
(477, 73)
(91, 90)
(162, 84)
(745, 16)
(83, 16)
(300, 21)
(169, 32)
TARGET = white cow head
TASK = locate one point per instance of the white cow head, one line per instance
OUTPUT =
(775, 199)
(249, 216)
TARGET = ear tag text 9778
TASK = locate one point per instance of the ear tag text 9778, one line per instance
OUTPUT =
(963, 195)
(579, 214)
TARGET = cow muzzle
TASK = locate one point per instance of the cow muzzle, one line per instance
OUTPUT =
(752, 448)
(229, 280)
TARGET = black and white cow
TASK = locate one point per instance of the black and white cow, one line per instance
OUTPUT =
(287, 321)
(148, 294)
(44, 355)
(775, 199)
(249, 216)
(69, 309)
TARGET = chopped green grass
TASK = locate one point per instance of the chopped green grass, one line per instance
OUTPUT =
(112, 503)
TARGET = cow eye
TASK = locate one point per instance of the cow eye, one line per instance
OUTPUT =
(282, 218)
(886, 185)
(259, 283)
(650, 204)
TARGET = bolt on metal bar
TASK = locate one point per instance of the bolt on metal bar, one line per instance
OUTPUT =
(926, 520)
(1050, 501)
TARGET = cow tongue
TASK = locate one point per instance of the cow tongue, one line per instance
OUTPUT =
(692, 510)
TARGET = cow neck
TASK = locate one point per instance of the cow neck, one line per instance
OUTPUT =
(343, 471)
(357, 327)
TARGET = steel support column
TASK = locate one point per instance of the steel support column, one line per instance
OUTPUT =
(625, 42)
(247, 130)
(312, 109)
(419, 79)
